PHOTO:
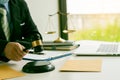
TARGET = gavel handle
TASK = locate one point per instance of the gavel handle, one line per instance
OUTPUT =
(25, 50)
(26, 44)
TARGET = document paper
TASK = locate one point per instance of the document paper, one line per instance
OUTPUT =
(82, 65)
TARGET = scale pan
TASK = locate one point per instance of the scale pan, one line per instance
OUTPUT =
(50, 32)
(68, 31)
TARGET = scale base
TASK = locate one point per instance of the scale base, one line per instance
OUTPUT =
(59, 40)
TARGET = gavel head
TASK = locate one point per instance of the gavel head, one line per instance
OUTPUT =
(37, 43)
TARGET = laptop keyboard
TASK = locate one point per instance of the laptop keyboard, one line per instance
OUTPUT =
(113, 48)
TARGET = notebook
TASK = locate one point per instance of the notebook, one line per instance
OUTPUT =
(47, 56)
(98, 48)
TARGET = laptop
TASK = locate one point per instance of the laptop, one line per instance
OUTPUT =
(98, 48)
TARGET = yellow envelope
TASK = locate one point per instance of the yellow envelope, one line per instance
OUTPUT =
(7, 72)
(82, 65)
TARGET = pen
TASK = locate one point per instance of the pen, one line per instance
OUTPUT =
(60, 56)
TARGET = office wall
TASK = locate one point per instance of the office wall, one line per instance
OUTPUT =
(40, 9)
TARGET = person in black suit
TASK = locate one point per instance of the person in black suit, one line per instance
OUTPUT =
(21, 27)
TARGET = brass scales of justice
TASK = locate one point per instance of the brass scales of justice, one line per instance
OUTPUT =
(50, 25)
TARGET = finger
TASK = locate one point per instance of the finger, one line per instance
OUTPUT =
(22, 48)
(16, 56)
(17, 59)
(19, 49)
(25, 50)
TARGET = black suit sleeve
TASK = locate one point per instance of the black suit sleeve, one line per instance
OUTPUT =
(2, 46)
(29, 28)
